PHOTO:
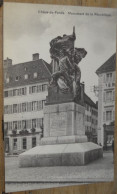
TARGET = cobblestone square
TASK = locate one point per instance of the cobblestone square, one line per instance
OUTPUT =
(18, 179)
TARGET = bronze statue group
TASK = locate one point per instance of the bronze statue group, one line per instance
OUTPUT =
(66, 57)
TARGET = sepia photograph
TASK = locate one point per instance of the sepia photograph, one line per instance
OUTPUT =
(59, 95)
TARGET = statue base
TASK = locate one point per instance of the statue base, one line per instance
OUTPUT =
(63, 139)
(64, 142)
(75, 154)
(64, 123)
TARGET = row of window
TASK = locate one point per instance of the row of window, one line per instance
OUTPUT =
(24, 124)
(110, 85)
(109, 77)
(24, 143)
(108, 115)
(24, 107)
(95, 113)
(89, 108)
(94, 121)
(38, 88)
(26, 76)
(93, 131)
(90, 119)
(23, 91)
(90, 129)
(15, 92)
(109, 96)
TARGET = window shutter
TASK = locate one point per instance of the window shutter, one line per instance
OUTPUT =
(39, 105)
(26, 124)
(18, 108)
(38, 123)
(18, 124)
(29, 124)
(104, 97)
(26, 106)
(113, 77)
(9, 109)
(104, 78)
(10, 125)
(30, 90)
(113, 95)
(25, 90)
(30, 106)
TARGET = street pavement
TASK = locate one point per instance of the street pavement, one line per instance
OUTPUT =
(101, 170)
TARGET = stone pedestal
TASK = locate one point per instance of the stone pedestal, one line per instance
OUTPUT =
(64, 142)
(75, 154)
(64, 123)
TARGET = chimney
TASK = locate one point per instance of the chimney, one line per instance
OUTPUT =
(83, 85)
(35, 56)
(7, 62)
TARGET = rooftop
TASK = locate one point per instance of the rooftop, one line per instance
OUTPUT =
(27, 73)
(108, 66)
(90, 102)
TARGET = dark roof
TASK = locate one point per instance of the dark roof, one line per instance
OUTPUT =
(88, 101)
(42, 68)
(108, 66)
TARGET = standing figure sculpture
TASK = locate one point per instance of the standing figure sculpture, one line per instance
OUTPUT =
(65, 59)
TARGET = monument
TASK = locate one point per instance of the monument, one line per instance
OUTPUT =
(64, 142)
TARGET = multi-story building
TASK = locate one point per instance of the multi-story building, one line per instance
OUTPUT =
(25, 91)
(106, 100)
(91, 119)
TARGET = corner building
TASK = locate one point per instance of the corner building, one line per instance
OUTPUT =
(106, 100)
(25, 91)
(91, 119)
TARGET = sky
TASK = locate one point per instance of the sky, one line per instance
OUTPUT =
(28, 29)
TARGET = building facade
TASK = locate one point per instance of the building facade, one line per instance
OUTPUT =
(25, 91)
(106, 99)
(91, 119)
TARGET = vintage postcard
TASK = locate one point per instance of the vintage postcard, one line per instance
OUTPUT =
(59, 95)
